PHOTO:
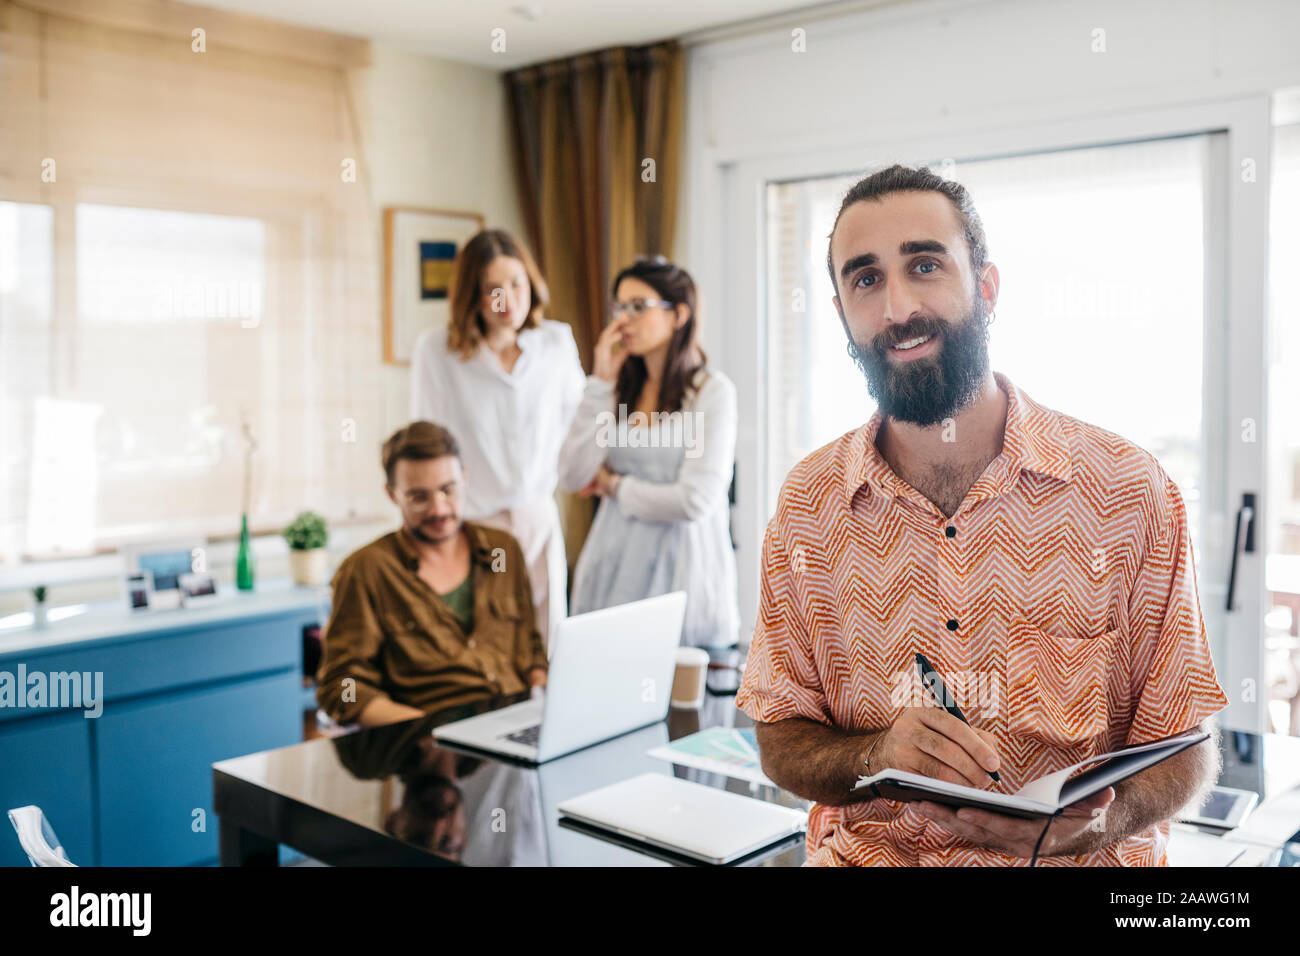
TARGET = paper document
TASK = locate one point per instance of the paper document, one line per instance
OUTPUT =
(731, 751)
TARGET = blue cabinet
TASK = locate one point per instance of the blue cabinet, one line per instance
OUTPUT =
(46, 762)
(155, 765)
(180, 690)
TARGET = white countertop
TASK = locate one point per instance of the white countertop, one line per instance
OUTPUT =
(106, 620)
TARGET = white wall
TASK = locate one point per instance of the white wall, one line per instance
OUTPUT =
(437, 136)
(874, 84)
(929, 67)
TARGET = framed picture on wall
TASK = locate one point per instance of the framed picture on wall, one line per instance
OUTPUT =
(420, 249)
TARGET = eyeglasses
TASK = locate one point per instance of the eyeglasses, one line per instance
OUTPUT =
(420, 500)
(636, 306)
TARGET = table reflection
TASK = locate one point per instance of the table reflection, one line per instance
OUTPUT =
(488, 811)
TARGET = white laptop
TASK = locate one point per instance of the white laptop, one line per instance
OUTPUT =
(704, 823)
(528, 797)
(610, 672)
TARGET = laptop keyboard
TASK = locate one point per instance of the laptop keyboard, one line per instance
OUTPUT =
(528, 736)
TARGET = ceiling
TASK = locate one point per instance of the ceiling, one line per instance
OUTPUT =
(535, 30)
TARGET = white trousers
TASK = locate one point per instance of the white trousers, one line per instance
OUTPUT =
(536, 526)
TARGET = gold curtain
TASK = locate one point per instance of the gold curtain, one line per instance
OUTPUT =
(597, 139)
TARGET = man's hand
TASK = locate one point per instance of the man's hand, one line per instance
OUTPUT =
(384, 710)
(932, 742)
(822, 763)
(1131, 806)
(1017, 837)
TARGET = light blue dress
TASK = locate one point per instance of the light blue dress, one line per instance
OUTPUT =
(668, 527)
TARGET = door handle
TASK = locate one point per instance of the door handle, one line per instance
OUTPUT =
(1243, 540)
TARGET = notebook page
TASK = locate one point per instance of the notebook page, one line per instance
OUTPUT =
(1058, 789)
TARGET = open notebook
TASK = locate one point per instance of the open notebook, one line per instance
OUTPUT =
(1038, 798)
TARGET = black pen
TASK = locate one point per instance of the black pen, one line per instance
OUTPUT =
(939, 691)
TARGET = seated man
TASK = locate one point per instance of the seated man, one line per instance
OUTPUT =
(435, 615)
(1043, 557)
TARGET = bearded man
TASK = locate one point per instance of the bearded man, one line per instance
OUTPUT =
(1042, 565)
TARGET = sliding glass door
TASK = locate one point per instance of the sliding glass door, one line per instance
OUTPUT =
(1282, 534)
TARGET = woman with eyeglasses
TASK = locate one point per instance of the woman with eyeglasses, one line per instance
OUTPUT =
(505, 381)
(655, 438)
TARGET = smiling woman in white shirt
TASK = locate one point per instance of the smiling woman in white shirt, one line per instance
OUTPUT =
(655, 436)
(505, 381)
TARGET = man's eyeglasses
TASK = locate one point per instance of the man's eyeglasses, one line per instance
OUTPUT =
(636, 306)
(422, 500)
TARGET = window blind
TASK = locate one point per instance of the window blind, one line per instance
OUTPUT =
(186, 238)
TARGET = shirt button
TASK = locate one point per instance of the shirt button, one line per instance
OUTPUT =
(470, 643)
(952, 624)
(490, 676)
(950, 531)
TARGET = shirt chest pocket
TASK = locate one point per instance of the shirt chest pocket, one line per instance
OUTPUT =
(1057, 686)
(502, 621)
(412, 636)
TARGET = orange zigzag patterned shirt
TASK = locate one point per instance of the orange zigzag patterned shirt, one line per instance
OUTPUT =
(1059, 603)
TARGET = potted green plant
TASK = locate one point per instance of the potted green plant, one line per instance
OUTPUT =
(308, 559)
(40, 617)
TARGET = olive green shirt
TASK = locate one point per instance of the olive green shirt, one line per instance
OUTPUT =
(460, 600)
(392, 635)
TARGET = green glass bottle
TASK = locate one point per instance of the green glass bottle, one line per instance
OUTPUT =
(244, 563)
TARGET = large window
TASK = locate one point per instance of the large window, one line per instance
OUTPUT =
(168, 343)
(1100, 312)
(187, 244)
(124, 418)
(26, 351)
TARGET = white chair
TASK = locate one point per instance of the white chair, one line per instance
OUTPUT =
(37, 837)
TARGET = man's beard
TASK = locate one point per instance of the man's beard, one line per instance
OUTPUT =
(418, 531)
(927, 391)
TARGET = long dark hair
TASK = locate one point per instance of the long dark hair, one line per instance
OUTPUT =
(685, 357)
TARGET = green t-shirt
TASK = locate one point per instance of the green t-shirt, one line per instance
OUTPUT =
(460, 601)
